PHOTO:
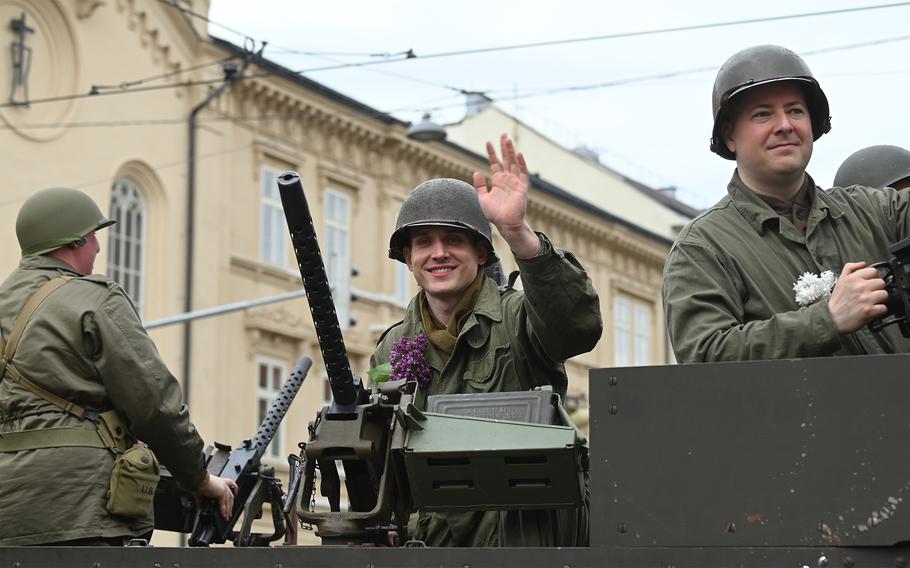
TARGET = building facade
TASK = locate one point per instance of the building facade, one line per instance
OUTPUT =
(105, 107)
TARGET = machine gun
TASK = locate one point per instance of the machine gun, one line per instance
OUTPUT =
(397, 458)
(896, 273)
(343, 431)
(176, 510)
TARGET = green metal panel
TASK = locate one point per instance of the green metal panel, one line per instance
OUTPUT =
(791, 453)
(459, 463)
(691, 466)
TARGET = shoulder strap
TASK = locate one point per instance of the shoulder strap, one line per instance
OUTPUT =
(9, 351)
(512, 278)
(388, 329)
(25, 315)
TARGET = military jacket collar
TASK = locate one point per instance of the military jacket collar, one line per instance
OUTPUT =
(474, 331)
(44, 262)
(758, 213)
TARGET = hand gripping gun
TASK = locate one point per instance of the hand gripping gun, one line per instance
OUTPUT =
(896, 273)
(176, 510)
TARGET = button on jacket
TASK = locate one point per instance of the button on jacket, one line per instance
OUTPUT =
(728, 280)
(87, 345)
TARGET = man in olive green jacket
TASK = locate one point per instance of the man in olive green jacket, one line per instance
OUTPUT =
(482, 339)
(86, 345)
(753, 277)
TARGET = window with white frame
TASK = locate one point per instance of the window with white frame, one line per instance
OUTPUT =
(632, 320)
(269, 376)
(337, 252)
(402, 283)
(126, 238)
(273, 233)
(641, 338)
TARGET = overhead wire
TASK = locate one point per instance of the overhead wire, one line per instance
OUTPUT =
(677, 73)
(409, 54)
(656, 31)
(136, 82)
(276, 48)
(417, 108)
(187, 12)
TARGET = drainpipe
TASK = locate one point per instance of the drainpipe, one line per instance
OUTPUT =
(231, 75)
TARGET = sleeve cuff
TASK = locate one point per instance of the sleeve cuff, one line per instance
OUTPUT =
(822, 327)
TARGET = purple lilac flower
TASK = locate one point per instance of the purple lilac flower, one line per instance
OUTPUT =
(408, 360)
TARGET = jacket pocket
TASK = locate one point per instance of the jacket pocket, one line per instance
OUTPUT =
(493, 372)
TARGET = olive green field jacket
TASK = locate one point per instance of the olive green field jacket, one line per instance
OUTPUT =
(512, 341)
(86, 344)
(728, 280)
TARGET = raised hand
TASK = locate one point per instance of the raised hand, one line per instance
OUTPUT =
(505, 203)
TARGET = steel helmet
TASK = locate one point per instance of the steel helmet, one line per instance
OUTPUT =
(443, 202)
(52, 218)
(875, 166)
(760, 65)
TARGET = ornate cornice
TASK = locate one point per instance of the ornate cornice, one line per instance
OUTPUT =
(151, 36)
(339, 135)
(278, 321)
(85, 8)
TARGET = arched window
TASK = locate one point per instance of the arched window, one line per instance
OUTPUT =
(126, 244)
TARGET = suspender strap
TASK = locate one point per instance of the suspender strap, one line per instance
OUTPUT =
(108, 430)
(31, 305)
(9, 351)
(13, 374)
(87, 437)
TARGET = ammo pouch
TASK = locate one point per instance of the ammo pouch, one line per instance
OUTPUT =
(133, 482)
(135, 474)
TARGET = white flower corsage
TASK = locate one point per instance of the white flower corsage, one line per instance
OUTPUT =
(811, 288)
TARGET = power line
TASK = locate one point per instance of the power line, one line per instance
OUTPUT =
(671, 74)
(396, 75)
(192, 14)
(386, 54)
(462, 52)
(280, 49)
(136, 82)
(641, 33)
(531, 93)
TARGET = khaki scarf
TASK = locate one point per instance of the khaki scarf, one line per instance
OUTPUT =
(443, 338)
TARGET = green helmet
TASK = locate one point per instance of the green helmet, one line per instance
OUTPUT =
(757, 66)
(52, 218)
(875, 166)
(441, 202)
